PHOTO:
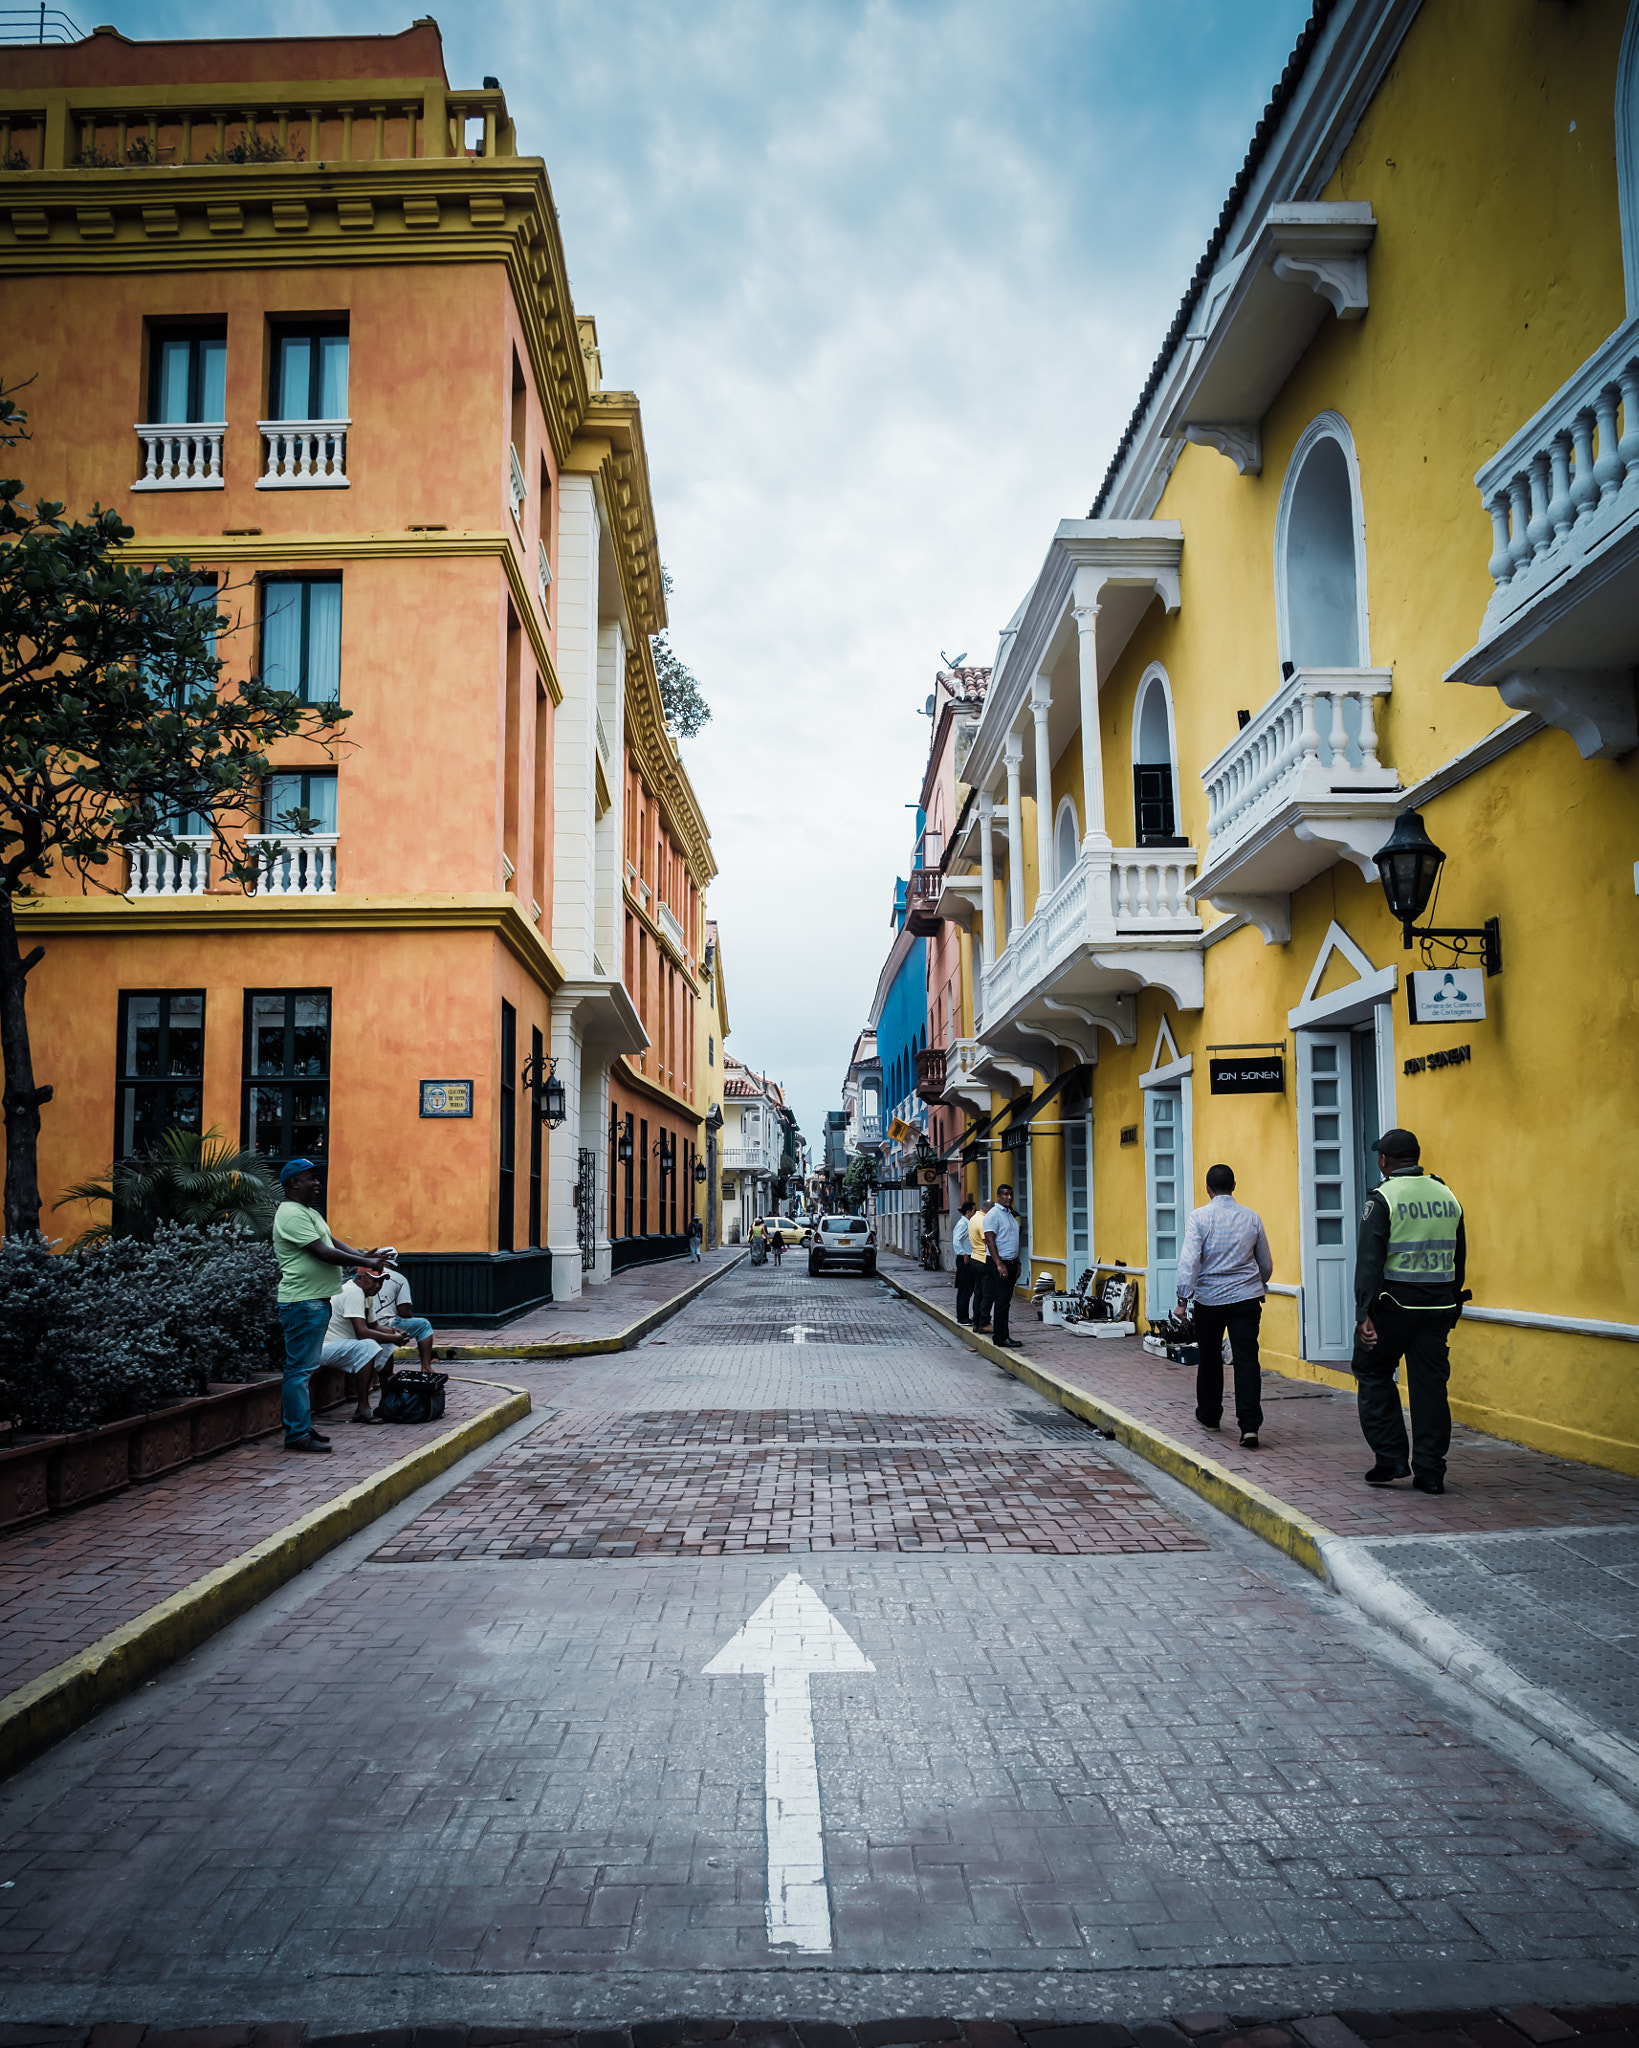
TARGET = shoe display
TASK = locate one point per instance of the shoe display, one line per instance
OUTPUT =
(1422, 1485)
(1249, 1439)
(1385, 1475)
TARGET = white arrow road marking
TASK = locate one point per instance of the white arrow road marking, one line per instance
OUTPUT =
(799, 1333)
(791, 1636)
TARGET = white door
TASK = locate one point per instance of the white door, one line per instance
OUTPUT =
(1078, 1199)
(1327, 1192)
(1162, 1157)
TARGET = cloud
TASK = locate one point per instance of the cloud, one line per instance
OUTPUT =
(887, 276)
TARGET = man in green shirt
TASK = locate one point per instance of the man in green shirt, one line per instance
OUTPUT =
(308, 1260)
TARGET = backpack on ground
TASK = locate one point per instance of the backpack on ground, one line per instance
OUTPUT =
(413, 1397)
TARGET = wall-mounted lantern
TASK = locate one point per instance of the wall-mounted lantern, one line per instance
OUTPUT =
(1409, 864)
(700, 1173)
(551, 1102)
(623, 1149)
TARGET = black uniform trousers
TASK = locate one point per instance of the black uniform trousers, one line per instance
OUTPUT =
(996, 1302)
(1419, 1337)
(1241, 1320)
(969, 1284)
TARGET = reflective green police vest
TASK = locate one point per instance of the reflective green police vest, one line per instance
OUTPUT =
(1423, 1219)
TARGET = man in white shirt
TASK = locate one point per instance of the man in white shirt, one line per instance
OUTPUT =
(1000, 1229)
(1224, 1267)
(355, 1341)
(392, 1299)
(968, 1270)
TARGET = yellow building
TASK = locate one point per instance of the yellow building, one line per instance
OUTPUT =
(1291, 617)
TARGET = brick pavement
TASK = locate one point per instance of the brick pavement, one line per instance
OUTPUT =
(599, 1311)
(68, 1581)
(1312, 1454)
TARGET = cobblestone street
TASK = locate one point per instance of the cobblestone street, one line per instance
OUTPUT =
(1091, 1753)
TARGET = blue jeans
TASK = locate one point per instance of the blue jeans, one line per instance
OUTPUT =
(694, 1249)
(305, 1324)
(414, 1328)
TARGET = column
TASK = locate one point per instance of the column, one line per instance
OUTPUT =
(562, 1163)
(1094, 836)
(987, 903)
(1041, 702)
(1015, 833)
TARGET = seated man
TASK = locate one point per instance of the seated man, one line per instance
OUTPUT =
(359, 1345)
(391, 1302)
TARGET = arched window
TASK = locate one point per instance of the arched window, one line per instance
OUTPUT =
(1066, 840)
(1320, 555)
(1155, 758)
(1627, 154)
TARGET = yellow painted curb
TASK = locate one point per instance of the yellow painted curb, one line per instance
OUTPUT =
(585, 1347)
(69, 1694)
(1286, 1527)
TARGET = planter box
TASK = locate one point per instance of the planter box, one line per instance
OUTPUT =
(218, 1420)
(23, 1496)
(88, 1467)
(164, 1438)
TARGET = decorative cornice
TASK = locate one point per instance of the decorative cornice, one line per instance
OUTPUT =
(610, 448)
(313, 215)
(319, 550)
(657, 1091)
(659, 766)
(196, 917)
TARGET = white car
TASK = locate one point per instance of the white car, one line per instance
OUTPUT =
(842, 1244)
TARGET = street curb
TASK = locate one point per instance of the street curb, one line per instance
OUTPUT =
(587, 1347)
(69, 1694)
(1287, 1528)
(1363, 1582)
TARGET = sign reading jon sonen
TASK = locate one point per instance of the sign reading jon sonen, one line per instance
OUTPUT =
(1265, 1075)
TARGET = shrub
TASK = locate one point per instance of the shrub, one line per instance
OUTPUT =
(91, 1336)
(196, 1177)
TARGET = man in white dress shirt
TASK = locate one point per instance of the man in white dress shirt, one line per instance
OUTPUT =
(1000, 1230)
(1223, 1268)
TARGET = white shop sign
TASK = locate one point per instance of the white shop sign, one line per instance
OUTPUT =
(1446, 995)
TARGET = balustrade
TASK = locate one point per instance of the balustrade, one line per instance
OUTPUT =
(304, 453)
(1149, 889)
(517, 488)
(294, 867)
(543, 583)
(181, 458)
(1317, 736)
(180, 870)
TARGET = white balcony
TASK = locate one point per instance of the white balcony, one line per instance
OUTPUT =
(1121, 920)
(603, 738)
(751, 1158)
(292, 866)
(303, 455)
(517, 489)
(543, 580)
(1560, 634)
(868, 1130)
(183, 869)
(1298, 788)
(672, 932)
(181, 458)
(962, 1084)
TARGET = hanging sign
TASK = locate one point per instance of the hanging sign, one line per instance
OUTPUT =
(1016, 1137)
(1445, 995)
(900, 1131)
(930, 1176)
(1264, 1074)
(446, 1098)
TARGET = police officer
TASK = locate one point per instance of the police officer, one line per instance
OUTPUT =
(1408, 1281)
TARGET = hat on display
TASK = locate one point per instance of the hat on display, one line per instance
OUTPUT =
(1398, 1144)
(292, 1167)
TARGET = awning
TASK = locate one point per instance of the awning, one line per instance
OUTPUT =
(1022, 1114)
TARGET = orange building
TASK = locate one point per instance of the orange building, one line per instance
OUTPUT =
(300, 313)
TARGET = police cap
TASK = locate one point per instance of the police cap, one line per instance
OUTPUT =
(1398, 1144)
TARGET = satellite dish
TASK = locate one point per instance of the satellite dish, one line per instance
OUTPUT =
(953, 661)
(927, 708)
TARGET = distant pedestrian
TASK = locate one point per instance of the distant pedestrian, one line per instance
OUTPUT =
(969, 1272)
(308, 1261)
(1408, 1296)
(1223, 1268)
(999, 1227)
(695, 1236)
(392, 1300)
(358, 1343)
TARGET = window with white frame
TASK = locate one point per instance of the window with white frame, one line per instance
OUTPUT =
(1320, 566)
(1155, 763)
(1066, 841)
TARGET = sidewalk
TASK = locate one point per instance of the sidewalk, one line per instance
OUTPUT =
(112, 1590)
(1522, 1577)
(606, 1318)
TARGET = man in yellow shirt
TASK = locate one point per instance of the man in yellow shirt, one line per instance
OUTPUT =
(308, 1260)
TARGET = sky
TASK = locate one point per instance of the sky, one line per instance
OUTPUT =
(887, 277)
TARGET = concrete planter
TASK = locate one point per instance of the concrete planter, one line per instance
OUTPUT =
(23, 1496)
(89, 1466)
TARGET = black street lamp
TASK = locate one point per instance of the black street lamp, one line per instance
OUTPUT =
(1409, 863)
(623, 1150)
(551, 1103)
(700, 1173)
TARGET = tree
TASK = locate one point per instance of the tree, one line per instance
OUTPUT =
(686, 710)
(114, 727)
(191, 1177)
(858, 1179)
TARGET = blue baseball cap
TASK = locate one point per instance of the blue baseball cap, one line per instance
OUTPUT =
(292, 1167)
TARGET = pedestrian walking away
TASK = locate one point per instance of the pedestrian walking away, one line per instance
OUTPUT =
(1002, 1237)
(695, 1235)
(1408, 1296)
(308, 1258)
(969, 1273)
(1224, 1269)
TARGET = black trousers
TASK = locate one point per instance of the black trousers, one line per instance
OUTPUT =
(996, 1303)
(969, 1283)
(1419, 1336)
(1240, 1319)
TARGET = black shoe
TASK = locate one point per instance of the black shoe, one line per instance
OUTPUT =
(309, 1443)
(1385, 1475)
(1421, 1484)
(1249, 1439)
(981, 1329)
(1011, 1343)
(1204, 1424)
(318, 1436)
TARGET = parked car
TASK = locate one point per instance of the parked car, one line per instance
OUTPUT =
(785, 1228)
(842, 1244)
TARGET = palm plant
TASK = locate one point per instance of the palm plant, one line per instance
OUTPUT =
(198, 1177)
